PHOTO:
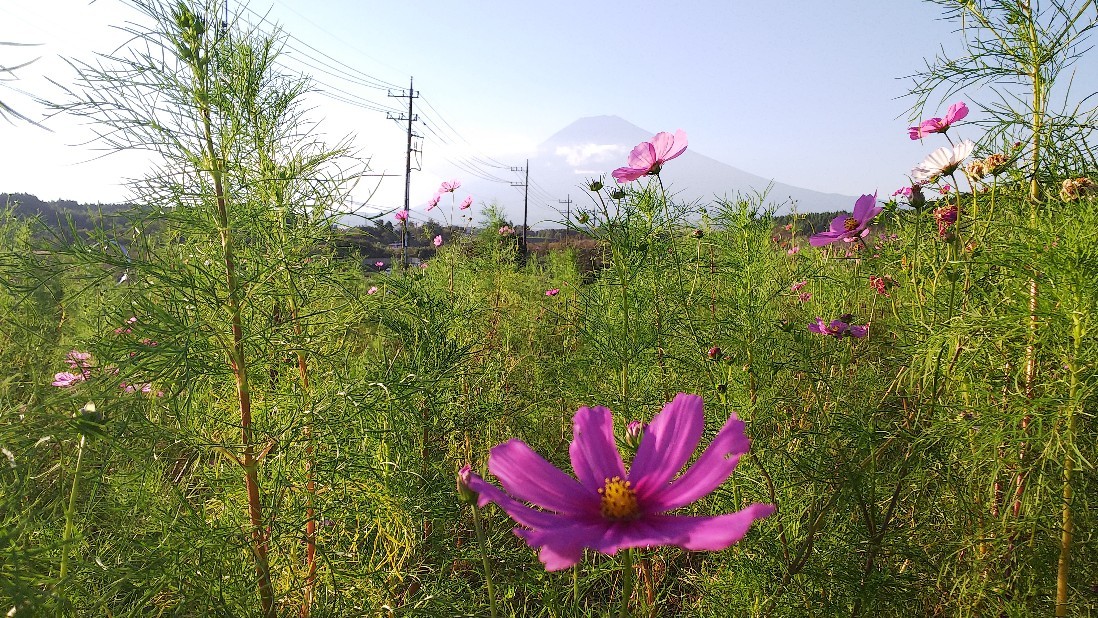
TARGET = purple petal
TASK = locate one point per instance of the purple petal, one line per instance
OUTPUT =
(643, 156)
(708, 533)
(708, 472)
(864, 206)
(528, 477)
(838, 224)
(859, 332)
(522, 514)
(824, 238)
(627, 174)
(956, 112)
(668, 443)
(594, 452)
(667, 146)
(562, 545)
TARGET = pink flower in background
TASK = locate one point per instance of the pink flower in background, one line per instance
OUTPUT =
(379, 264)
(839, 328)
(552, 292)
(849, 228)
(797, 286)
(945, 189)
(606, 508)
(449, 186)
(66, 379)
(795, 249)
(431, 203)
(466, 203)
(372, 290)
(955, 113)
(945, 216)
(648, 158)
(401, 215)
(437, 241)
(902, 192)
(506, 230)
(805, 297)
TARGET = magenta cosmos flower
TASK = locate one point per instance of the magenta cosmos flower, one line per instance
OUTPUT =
(449, 186)
(466, 203)
(437, 241)
(648, 157)
(606, 508)
(401, 215)
(839, 328)
(955, 113)
(849, 228)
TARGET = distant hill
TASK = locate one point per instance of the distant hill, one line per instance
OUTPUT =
(55, 212)
(595, 146)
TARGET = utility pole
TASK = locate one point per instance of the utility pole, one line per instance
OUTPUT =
(525, 201)
(568, 215)
(410, 117)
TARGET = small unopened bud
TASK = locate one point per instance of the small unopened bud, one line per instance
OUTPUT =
(715, 353)
(698, 233)
(617, 194)
(464, 491)
(634, 431)
(594, 186)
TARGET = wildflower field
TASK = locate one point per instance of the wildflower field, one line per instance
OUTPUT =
(710, 409)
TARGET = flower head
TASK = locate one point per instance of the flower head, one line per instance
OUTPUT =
(945, 216)
(849, 228)
(648, 157)
(839, 328)
(955, 113)
(401, 215)
(465, 493)
(379, 264)
(941, 162)
(634, 431)
(372, 290)
(431, 203)
(449, 186)
(506, 230)
(437, 241)
(552, 292)
(1075, 188)
(797, 286)
(66, 379)
(607, 508)
(466, 203)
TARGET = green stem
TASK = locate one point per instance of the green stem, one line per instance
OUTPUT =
(627, 582)
(484, 559)
(1068, 524)
(70, 513)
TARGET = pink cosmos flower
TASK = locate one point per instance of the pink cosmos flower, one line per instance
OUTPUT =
(805, 297)
(955, 113)
(66, 379)
(945, 189)
(797, 286)
(449, 186)
(839, 328)
(431, 203)
(795, 249)
(552, 292)
(372, 290)
(437, 241)
(849, 228)
(902, 192)
(379, 264)
(506, 230)
(401, 215)
(466, 203)
(648, 158)
(606, 508)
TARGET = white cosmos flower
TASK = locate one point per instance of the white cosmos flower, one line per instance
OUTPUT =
(944, 160)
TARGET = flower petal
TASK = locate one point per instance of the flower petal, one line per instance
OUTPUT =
(864, 206)
(642, 157)
(562, 545)
(708, 472)
(667, 146)
(524, 515)
(838, 224)
(824, 238)
(668, 443)
(627, 174)
(528, 477)
(594, 452)
(707, 533)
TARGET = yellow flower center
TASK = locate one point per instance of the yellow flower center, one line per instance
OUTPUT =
(850, 224)
(619, 501)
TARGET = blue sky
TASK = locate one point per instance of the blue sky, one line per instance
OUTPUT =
(809, 93)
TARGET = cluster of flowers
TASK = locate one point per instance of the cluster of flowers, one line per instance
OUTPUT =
(1078, 188)
(449, 186)
(82, 365)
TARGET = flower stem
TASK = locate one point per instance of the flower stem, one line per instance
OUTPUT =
(484, 559)
(70, 513)
(1068, 525)
(627, 582)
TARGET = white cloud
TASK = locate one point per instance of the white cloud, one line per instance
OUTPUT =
(585, 154)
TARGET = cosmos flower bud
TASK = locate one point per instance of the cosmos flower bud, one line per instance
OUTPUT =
(715, 353)
(634, 431)
(594, 186)
(464, 492)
